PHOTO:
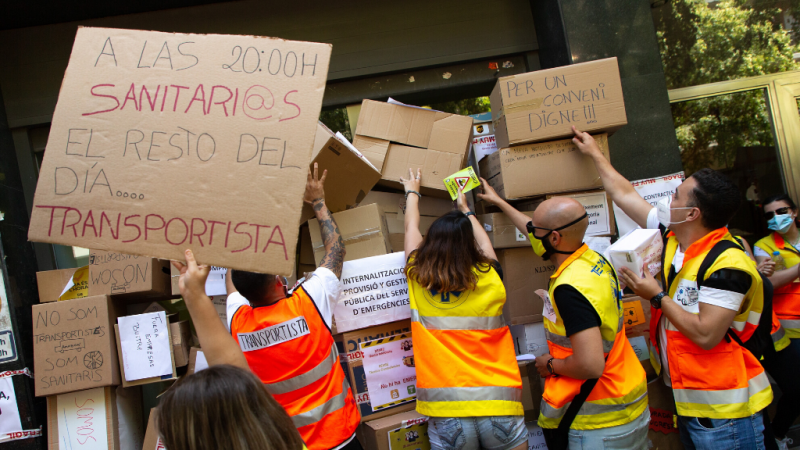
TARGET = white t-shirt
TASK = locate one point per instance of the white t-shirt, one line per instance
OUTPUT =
(322, 286)
(691, 300)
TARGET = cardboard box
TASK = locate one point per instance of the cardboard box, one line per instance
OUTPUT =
(523, 274)
(599, 207)
(662, 433)
(406, 430)
(435, 141)
(113, 412)
(364, 232)
(373, 149)
(532, 170)
(73, 345)
(529, 338)
(351, 341)
(181, 335)
(532, 390)
(53, 282)
(306, 248)
(502, 232)
(545, 104)
(393, 205)
(126, 383)
(129, 277)
(237, 164)
(152, 441)
(350, 175)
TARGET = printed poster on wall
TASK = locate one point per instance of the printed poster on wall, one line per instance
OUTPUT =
(652, 190)
(374, 292)
(163, 141)
(389, 368)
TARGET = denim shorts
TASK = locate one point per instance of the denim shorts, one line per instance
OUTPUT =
(473, 433)
(630, 436)
(722, 434)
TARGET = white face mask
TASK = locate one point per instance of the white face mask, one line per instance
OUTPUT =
(665, 212)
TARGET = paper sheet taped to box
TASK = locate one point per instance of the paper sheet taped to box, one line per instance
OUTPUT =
(374, 292)
(163, 141)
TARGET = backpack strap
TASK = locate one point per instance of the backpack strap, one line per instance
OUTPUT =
(712, 256)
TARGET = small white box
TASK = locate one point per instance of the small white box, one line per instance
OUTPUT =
(636, 250)
(529, 338)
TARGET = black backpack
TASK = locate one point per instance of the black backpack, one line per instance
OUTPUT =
(760, 343)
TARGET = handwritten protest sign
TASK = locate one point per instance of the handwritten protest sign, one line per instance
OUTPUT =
(82, 420)
(164, 141)
(145, 343)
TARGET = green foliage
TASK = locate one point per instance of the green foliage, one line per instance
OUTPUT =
(336, 120)
(464, 107)
(702, 43)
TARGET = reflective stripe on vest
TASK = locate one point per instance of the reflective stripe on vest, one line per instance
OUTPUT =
(785, 323)
(778, 335)
(563, 341)
(588, 408)
(469, 394)
(316, 414)
(458, 323)
(726, 397)
(301, 381)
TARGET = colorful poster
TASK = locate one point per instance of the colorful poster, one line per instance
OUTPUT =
(412, 435)
(389, 368)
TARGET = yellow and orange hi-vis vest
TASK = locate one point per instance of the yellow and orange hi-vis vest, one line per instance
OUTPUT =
(289, 347)
(620, 395)
(726, 382)
(464, 354)
(786, 299)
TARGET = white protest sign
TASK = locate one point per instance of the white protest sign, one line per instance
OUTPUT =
(82, 420)
(652, 190)
(215, 283)
(390, 371)
(163, 141)
(535, 437)
(200, 362)
(146, 347)
(9, 412)
(374, 291)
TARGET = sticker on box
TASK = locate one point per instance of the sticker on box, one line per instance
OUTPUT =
(464, 180)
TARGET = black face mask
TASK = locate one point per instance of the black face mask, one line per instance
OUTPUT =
(549, 250)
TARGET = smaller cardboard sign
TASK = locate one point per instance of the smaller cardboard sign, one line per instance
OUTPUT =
(64, 284)
(464, 180)
(75, 410)
(652, 190)
(135, 278)
(535, 437)
(412, 434)
(662, 420)
(633, 314)
(146, 346)
(374, 291)
(9, 412)
(389, 368)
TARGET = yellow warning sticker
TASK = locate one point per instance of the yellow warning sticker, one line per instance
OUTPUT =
(633, 314)
(78, 287)
(464, 180)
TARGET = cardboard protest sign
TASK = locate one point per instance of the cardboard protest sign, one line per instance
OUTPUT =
(652, 190)
(163, 141)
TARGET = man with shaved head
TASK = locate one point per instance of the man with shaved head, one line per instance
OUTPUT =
(595, 388)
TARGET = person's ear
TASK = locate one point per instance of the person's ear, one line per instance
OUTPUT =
(555, 238)
(694, 214)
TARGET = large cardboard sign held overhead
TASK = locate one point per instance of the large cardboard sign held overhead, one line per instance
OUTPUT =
(164, 141)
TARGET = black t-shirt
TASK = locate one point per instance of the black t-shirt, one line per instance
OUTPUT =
(576, 311)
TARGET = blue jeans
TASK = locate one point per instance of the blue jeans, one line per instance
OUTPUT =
(722, 434)
(473, 433)
(630, 436)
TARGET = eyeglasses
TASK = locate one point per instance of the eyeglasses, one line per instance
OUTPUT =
(779, 211)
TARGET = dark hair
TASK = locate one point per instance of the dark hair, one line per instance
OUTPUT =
(447, 255)
(253, 286)
(781, 198)
(716, 196)
(224, 407)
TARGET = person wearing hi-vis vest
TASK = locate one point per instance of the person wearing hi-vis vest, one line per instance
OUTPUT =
(468, 380)
(287, 339)
(720, 388)
(595, 393)
(778, 258)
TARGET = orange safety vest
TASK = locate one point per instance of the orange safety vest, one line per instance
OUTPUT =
(464, 354)
(726, 382)
(785, 299)
(290, 348)
(620, 395)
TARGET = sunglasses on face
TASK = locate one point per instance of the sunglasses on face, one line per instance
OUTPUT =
(779, 211)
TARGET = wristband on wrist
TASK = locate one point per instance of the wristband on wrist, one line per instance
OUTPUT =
(550, 366)
(470, 213)
(413, 192)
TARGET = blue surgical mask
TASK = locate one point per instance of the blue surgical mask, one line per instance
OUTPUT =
(780, 223)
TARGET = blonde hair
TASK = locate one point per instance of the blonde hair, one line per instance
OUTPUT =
(224, 407)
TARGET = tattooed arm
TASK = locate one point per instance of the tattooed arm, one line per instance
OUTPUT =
(334, 246)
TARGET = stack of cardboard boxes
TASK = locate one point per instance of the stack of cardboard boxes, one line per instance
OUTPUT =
(77, 353)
